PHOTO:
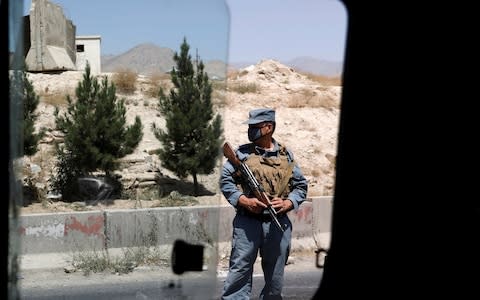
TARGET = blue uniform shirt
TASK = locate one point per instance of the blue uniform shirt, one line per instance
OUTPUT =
(229, 187)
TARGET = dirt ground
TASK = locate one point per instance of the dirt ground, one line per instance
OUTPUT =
(307, 114)
(50, 206)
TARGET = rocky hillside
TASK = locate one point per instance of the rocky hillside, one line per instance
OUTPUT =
(307, 122)
(144, 59)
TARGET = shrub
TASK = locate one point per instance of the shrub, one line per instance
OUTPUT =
(125, 80)
(243, 88)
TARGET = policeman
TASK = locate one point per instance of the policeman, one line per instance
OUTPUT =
(254, 232)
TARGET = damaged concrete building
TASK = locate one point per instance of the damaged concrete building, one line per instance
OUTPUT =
(51, 44)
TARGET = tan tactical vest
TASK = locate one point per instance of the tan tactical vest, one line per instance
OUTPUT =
(273, 173)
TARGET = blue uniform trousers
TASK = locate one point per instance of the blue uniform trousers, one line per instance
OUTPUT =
(252, 236)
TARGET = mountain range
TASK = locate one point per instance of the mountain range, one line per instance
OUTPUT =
(148, 58)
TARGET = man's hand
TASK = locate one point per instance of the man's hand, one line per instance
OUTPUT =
(251, 204)
(281, 206)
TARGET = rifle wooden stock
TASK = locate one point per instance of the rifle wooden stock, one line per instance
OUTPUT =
(230, 154)
(254, 185)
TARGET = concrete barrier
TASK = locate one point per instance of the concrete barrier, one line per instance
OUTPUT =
(62, 232)
(51, 37)
(94, 230)
(161, 226)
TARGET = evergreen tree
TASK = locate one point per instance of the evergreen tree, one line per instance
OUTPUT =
(27, 102)
(192, 139)
(95, 133)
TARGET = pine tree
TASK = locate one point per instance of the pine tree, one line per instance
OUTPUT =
(95, 133)
(192, 139)
(27, 102)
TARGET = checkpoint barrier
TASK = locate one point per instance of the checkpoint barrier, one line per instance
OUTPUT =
(96, 230)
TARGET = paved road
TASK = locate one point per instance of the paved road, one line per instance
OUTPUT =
(301, 282)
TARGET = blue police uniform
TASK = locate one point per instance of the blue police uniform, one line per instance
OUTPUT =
(256, 233)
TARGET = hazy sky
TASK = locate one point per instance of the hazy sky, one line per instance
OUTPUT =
(237, 30)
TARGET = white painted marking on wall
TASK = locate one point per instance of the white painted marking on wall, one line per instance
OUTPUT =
(52, 230)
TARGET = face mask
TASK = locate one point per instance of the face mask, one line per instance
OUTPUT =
(254, 134)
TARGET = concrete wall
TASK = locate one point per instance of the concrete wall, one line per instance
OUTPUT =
(61, 232)
(52, 39)
(88, 49)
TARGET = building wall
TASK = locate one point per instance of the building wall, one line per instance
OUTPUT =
(88, 50)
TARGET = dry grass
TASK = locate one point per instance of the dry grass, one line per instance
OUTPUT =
(125, 80)
(54, 99)
(156, 81)
(314, 99)
(157, 77)
(98, 261)
(324, 80)
(219, 88)
(219, 85)
(244, 88)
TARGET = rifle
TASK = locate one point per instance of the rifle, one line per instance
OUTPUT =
(252, 182)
